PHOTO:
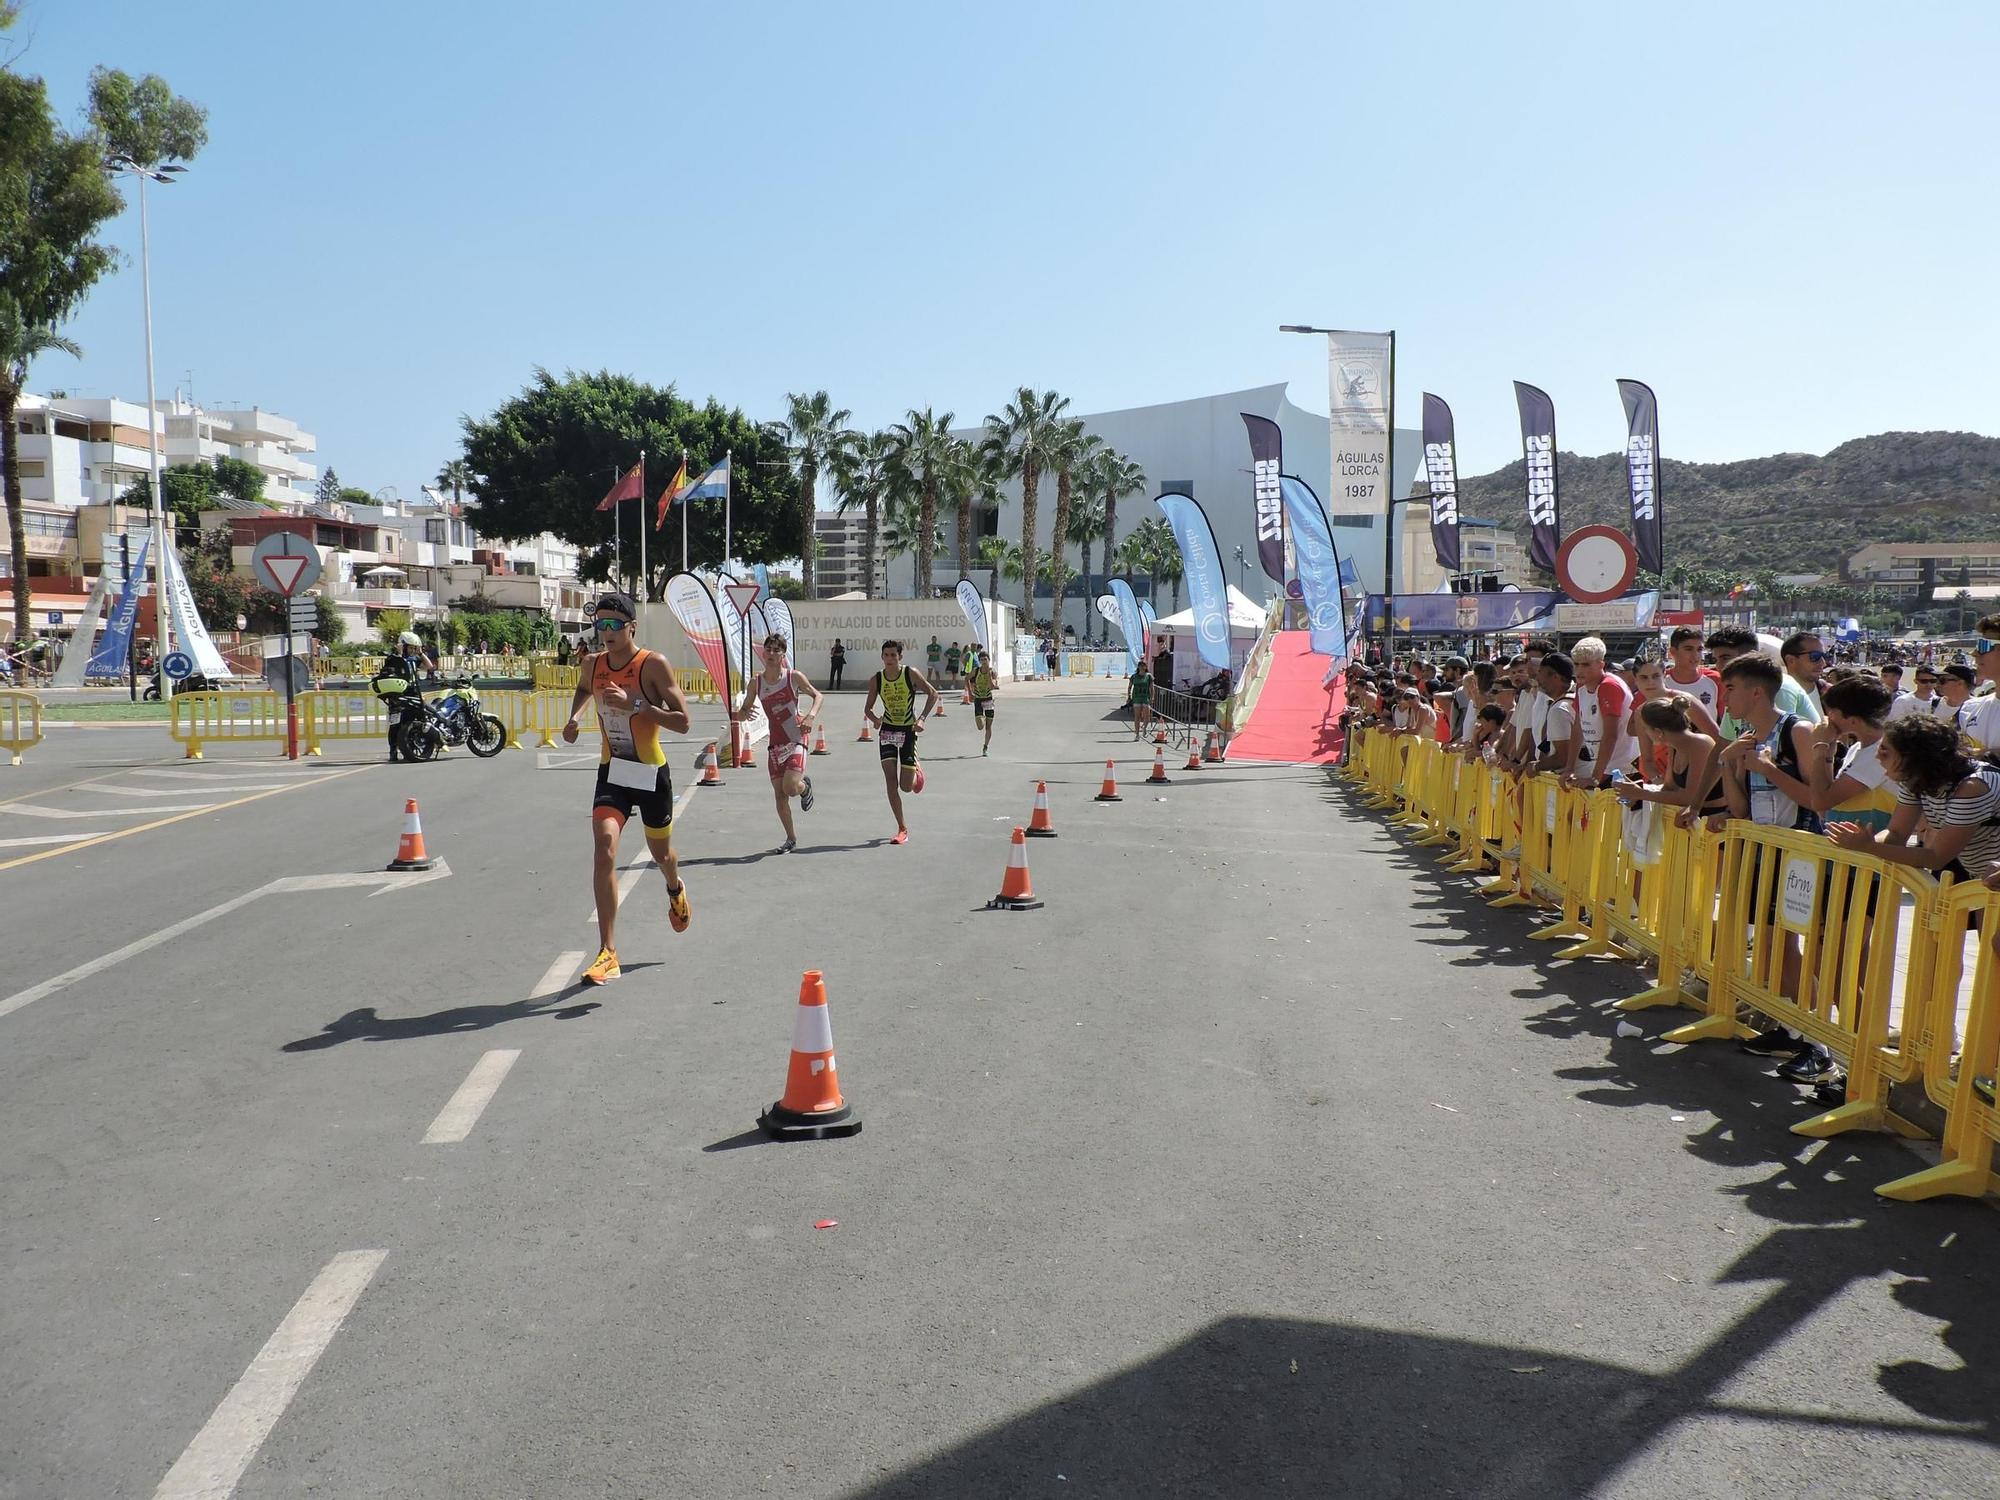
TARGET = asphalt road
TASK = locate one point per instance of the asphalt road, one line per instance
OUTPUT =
(1259, 1162)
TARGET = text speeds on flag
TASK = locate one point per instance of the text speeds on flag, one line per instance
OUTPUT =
(285, 563)
(1596, 564)
(742, 595)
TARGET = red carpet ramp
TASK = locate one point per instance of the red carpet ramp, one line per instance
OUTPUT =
(1296, 720)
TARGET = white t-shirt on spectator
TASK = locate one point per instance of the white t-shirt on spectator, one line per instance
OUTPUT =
(1706, 689)
(1978, 719)
(1594, 706)
(1862, 764)
(1523, 716)
(1909, 703)
(1550, 725)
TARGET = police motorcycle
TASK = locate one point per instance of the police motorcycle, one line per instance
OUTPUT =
(459, 721)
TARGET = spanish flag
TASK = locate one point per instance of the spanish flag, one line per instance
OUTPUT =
(671, 493)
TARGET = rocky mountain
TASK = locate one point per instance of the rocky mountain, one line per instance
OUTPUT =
(1791, 512)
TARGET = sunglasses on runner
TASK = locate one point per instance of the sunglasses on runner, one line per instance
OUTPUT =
(608, 625)
(1980, 648)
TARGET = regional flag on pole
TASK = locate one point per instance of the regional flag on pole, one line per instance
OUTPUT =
(713, 485)
(625, 489)
(670, 494)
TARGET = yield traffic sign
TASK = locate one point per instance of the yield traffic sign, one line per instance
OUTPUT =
(742, 595)
(286, 563)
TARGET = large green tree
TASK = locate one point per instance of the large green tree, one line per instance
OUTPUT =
(1070, 448)
(1114, 477)
(53, 200)
(924, 449)
(814, 433)
(1021, 437)
(545, 458)
(863, 469)
(455, 476)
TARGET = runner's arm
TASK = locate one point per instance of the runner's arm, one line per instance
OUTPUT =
(868, 708)
(925, 683)
(799, 679)
(582, 694)
(670, 711)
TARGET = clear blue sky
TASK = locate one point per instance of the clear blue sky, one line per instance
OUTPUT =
(1781, 215)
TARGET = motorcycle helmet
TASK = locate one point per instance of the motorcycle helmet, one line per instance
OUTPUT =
(409, 638)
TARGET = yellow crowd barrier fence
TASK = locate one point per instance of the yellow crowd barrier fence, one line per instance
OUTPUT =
(200, 719)
(1863, 957)
(20, 723)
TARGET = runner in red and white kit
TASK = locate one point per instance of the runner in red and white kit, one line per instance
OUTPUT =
(778, 688)
(1686, 674)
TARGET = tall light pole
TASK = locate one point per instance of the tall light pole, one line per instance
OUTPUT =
(124, 166)
(1240, 563)
(1388, 489)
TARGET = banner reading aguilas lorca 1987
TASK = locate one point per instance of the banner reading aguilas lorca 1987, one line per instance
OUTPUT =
(1358, 377)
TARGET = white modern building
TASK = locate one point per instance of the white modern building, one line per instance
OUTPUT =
(842, 557)
(1196, 447)
(78, 451)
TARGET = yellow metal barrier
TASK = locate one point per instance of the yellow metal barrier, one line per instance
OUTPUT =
(1972, 1123)
(544, 675)
(351, 715)
(202, 718)
(20, 723)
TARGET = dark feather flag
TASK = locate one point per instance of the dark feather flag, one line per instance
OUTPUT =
(1441, 469)
(1538, 447)
(1642, 473)
(1267, 462)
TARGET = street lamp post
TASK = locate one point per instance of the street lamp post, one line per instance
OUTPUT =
(1388, 493)
(124, 166)
(1240, 563)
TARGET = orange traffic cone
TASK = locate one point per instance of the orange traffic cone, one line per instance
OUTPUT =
(866, 734)
(819, 745)
(965, 695)
(1159, 776)
(1040, 825)
(812, 1109)
(940, 707)
(1110, 791)
(711, 773)
(1017, 892)
(1194, 758)
(1212, 751)
(410, 853)
(1159, 736)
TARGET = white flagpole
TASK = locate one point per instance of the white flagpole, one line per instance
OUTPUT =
(617, 547)
(645, 581)
(728, 487)
(684, 517)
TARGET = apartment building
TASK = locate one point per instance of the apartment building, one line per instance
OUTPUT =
(843, 547)
(78, 451)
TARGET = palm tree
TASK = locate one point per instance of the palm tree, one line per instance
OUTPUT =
(999, 556)
(1135, 555)
(1086, 520)
(1156, 544)
(902, 514)
(813, 433)
(924, 449)
(1070, 448)
(1117, 476)
(1020, 436)
(455, 476)
(19, 344)
(976, 477)
(861, 468)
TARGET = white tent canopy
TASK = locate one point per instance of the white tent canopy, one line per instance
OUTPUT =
(1246, 617)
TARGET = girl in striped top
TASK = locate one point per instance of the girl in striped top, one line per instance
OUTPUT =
(1935, 775)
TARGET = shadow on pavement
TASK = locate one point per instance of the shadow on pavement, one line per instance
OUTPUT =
(366, 1025)
(1832, 1229)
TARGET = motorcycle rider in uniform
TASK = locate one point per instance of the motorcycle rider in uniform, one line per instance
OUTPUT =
(405, 664)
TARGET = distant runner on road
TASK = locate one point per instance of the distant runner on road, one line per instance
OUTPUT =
(1141, 690)
(778, 688)
(897, 686)
(981, 681)
(637, 696)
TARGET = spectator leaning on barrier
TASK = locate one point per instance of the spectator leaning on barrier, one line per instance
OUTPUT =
(1600, 738)
(1527, 701)
(1549, 730)
(1844, 766)
(1764, 769)
(1689, 755)
(1804, 658)
(1958, 798)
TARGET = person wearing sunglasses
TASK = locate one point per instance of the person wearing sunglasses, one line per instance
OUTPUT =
(637, 696)
(1804, 657)
(1923, 701)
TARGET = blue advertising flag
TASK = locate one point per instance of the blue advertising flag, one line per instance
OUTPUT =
(1208, 588)
(1319, 566)
(108, 660)
(1130, 624)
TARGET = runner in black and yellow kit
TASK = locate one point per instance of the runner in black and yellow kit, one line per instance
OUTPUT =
(897, 687)
(637, 696)
(981, 679)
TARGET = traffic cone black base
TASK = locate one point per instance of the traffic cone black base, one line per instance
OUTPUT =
(782, 1124)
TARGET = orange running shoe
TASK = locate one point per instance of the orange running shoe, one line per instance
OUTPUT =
(678, 911)
(603, 968)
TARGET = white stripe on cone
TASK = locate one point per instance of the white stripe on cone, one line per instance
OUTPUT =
(813, 1030)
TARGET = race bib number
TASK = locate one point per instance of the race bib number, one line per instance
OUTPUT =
(894, 738)
(635, 774)
(617, 724)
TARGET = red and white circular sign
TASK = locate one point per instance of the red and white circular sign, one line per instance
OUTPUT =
(1596, 564)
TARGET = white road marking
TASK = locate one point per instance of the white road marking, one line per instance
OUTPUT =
(28, 810)
(559, 976)
(180, 791)
(222, 773)
(382, 879)
(212, 1465)
(462, 1110)
(559, 760)
(46, 838)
